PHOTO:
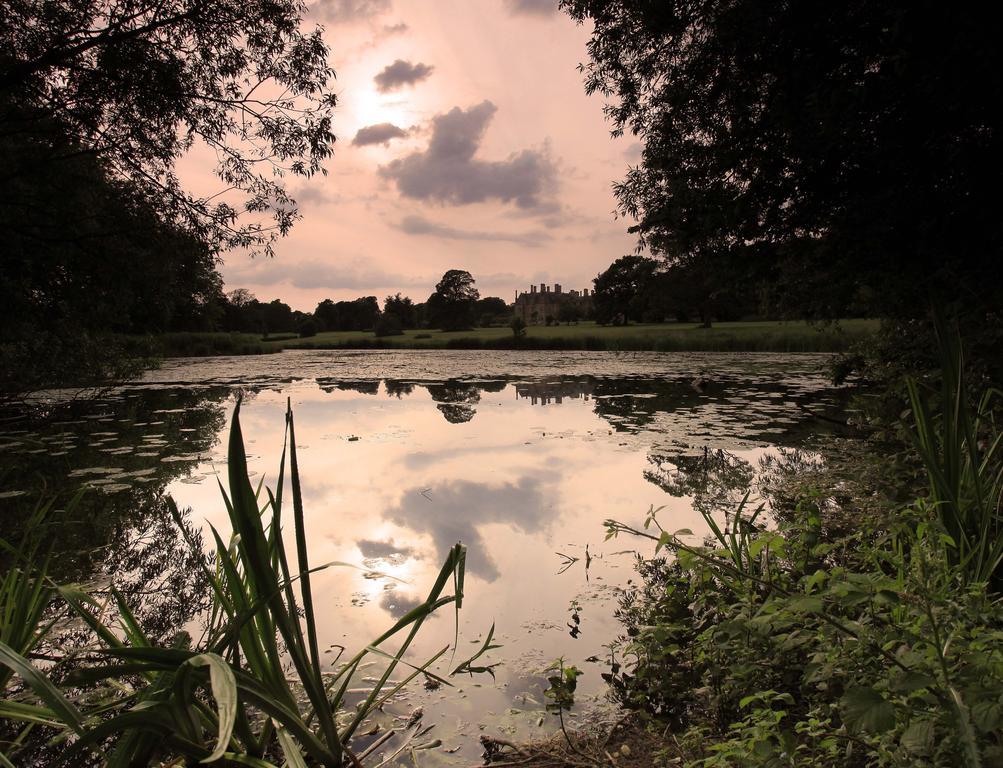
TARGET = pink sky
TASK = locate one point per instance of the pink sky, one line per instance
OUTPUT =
(493, 158)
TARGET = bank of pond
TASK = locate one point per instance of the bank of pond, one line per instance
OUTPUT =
(751, 336)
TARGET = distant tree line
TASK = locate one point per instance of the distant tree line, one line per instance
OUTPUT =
(454, 305)
(638, 289)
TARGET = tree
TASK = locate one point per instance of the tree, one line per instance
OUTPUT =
(491, 310)
(451, 307)
(624, 291)
(359, 314)
(137, 84)
(830, 153)
(402, 309)
(84, 257)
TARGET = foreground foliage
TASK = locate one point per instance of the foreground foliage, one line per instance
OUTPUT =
(881, 645)
(255, 690)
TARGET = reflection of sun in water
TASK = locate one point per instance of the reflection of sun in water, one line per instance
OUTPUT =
(396, 573)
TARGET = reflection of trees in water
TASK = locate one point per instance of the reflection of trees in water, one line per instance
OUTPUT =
(716, 480)
(455, 400)
(362, 387)
(123, 535)
(398, 389)
(616, 400)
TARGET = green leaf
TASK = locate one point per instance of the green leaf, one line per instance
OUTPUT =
(805, 604)
(865, 709)
(918, 737)
(42, 687)
(986, 716)
(290, 750)
(908, 682)
(224, 690)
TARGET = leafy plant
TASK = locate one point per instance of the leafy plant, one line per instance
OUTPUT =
(961, 451)
(256, 689)
(770, 647)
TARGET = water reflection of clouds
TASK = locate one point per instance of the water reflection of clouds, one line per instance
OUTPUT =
(457, 510)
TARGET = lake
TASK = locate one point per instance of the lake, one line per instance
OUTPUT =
(520, 456)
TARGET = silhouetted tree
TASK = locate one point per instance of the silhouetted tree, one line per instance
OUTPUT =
(451, 307)
(491, 310)
(358, 315)
(625, 290)
(837, 155)
(401, 308)
(137, 84)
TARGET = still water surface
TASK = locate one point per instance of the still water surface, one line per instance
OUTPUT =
(520, 456)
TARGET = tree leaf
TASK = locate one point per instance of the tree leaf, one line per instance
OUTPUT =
(865, 709)
(918, 737)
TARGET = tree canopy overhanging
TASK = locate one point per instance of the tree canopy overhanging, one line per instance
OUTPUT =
(845, 155)
(140, 84)
(99, 100)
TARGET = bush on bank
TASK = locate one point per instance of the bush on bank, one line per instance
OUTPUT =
(822, 641)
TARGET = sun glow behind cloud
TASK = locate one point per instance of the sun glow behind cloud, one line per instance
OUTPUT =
(358, 234)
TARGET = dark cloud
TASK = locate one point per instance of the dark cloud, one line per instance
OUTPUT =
(381, 133)
(312, 194)
(401, 73)
(372, 548)
(458, 509)
(318, 274)
(447, 171)
(395, 29)
(532, 7)
(397, 604)
(346, 11)
(633, 152)
(419, 225)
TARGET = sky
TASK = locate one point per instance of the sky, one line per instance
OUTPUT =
(465, 141)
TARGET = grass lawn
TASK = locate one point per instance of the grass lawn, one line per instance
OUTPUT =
(765, 336)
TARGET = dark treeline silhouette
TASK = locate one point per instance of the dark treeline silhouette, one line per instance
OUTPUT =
(97, 102)
(824, 163)
(455, 305)
(641, 289)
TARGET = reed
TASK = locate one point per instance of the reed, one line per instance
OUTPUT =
(256, 691)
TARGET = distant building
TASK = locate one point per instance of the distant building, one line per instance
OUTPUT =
(541, 303)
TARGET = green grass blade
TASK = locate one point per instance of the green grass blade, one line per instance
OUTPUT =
(43, 688)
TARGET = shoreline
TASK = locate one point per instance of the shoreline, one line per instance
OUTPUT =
(782, 337)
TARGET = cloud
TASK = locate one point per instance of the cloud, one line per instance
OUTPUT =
(419, 225)
(373, 549)
(447, 171)
(313, 273)
(381, 133)
(460, 508)
(308, 194)
(532, 7)
(347, 11)
(401, 73)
